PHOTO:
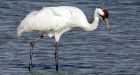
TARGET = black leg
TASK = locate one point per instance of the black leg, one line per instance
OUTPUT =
(31, 51)
(56, 56)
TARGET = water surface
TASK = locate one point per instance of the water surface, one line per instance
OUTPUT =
(81, 53)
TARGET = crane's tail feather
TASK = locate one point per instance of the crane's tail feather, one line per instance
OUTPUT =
(20, 31)
(25, 24)
(18, 35)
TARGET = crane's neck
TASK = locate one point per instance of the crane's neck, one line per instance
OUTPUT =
(94, 24)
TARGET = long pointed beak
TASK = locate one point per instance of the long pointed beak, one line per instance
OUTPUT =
(107, 24)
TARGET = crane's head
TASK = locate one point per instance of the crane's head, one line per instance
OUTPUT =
(104, 15)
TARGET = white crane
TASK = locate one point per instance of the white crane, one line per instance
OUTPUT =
(54, 21)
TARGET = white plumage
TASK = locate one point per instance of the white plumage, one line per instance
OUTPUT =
(54, 21)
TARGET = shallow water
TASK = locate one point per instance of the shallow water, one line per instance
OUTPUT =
(81, 53)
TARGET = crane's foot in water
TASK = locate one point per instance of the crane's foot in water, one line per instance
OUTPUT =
(30, 67)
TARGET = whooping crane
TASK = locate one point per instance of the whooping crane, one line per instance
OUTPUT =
(54, 21)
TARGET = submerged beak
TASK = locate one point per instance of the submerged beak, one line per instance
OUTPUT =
(107, 24)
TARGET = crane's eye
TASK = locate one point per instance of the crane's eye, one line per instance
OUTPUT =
(102, 17)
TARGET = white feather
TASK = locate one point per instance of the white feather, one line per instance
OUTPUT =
(54, 21)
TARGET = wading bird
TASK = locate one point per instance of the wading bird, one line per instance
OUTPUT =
(54, 21)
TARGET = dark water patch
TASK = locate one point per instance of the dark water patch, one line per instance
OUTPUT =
(133, 3)
(35, 66)
(4, 6)
(85, 2)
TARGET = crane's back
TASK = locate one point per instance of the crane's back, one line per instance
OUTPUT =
(51, 19)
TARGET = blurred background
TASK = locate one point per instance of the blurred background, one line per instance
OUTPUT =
(81, 53)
